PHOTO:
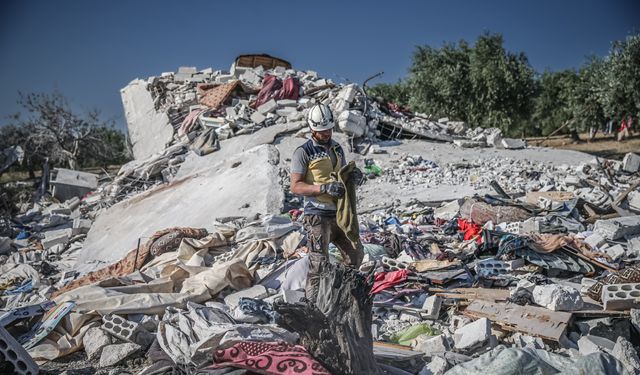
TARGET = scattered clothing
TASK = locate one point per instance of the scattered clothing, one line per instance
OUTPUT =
(385, 280)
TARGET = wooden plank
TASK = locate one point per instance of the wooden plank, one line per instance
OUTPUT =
(532, 320)
(442, 277)
(557, 196)
(394, 351)
(484, 294)
(433, 264)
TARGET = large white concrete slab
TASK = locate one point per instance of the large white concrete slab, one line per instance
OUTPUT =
(149, 131)
(240, 185)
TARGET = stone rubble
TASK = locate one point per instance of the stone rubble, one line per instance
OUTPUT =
(550, 238)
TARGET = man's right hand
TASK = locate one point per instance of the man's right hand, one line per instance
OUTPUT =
(335, 189)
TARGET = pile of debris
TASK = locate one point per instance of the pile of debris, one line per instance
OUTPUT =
(171, 114)
(196, 261)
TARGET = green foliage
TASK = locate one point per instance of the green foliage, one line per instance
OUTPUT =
(395, 93)
(484, 85)
(620, 88)
(553, 104)
(439, 81)
(487, 86)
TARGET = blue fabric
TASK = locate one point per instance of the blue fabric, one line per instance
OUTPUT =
(392, 221)
(258, 308)
(23, 235)
(24, 288)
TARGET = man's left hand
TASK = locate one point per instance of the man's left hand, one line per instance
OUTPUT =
(356, 176)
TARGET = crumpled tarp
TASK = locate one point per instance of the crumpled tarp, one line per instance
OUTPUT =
(113, 297)
(162, 241)
(270, 227)
(189, 336)
(514, 361)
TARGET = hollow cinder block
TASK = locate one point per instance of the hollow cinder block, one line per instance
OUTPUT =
(621, 296)
(393, 265)
(126, 330)
(13, 355)
(493, 267)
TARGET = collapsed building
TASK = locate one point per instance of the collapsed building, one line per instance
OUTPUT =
(483, 255)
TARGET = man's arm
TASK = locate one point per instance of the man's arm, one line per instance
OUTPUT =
(299, 187)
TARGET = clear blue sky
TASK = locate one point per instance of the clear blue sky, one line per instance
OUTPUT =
(90, 49)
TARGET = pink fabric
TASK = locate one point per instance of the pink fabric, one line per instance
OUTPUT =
(189, 121)
(274, 88)
(269, 358)
(385, 280)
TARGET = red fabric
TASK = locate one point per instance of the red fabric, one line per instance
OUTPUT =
(385, 280)
(471, 230)
(623, 126)
(269, 358)
(274, 88)
(290, 89)
(270, 84)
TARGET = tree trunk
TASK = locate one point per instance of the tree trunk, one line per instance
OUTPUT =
(336, 329)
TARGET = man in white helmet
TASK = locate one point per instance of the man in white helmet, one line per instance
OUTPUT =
(311, 167)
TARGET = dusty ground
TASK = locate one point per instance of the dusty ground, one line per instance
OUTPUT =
(605, 146)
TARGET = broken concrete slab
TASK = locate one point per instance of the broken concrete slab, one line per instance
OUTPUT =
(432, 344)
(557, 297)
(94, 340)
(352, 122)
(595, 240)
(149, 131)
(631, 163)
(67, 184)
(449, 210)
(117, 353)
(431, 307)
(242, 185)
(634, 315)
(268, 107)
(513, 144)
(594, 344)
(619, 227)
(472, 334)
(615, 252)
(532, 320)
(56, 237)
(625, 352)
(437, 366)
(258, 117)
(81, 226)
(634, 200)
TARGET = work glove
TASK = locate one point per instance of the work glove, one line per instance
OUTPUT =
(335, 189)
(357, 176)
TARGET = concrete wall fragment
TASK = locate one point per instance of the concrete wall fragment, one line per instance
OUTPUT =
(150, 131)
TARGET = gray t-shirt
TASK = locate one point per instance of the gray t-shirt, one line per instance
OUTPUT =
(300, 164)
(300, 160)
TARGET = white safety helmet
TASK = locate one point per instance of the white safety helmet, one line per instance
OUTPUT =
(320, 118)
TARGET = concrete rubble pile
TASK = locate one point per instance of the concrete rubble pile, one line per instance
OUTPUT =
(478, 259)
(171, 114)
